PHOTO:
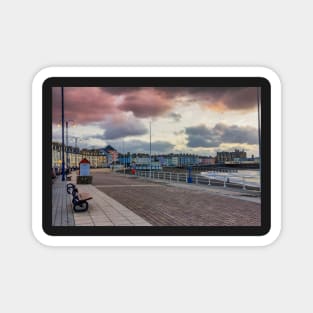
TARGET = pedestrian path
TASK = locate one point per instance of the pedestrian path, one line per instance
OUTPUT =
(62, 213)
(104, 210)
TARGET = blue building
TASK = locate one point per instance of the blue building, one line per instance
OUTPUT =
(125, 159)
(107, 151)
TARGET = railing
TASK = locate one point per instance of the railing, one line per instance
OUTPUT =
(223, 181)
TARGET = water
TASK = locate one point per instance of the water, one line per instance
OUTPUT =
(249, 177)
(251, 181)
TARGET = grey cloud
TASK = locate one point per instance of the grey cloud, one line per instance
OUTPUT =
(202, 136)
(122, 127)
(175, 116)
(134, 146)
(237, 134)
(233, 98)
(195, 141)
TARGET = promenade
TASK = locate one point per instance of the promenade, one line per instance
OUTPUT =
(62, 212)
(103, 210)
(120, 200)
(177, 204)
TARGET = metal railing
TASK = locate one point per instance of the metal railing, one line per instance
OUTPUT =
(223, 181)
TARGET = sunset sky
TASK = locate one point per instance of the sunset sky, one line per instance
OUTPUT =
(199, 120)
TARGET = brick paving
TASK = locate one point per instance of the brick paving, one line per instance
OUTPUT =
(162, 204)
(103, 210)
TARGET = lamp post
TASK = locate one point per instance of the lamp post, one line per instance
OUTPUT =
(150, 151)
(63, 145)
(63, 165)
(67, 158)
(124, 158)
(259, 132)
(76, 150)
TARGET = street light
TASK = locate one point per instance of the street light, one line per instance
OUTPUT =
(62, 109)
(259, 130)
(150, 150)
(67, 123)
(63, 166)
(76, 139)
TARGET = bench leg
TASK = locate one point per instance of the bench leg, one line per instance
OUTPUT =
(80, 206)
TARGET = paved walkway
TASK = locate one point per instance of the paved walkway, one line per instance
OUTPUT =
(129, 201)
(62, 213)
(104, 210)
(164, 204)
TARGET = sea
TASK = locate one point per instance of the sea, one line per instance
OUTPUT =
(250, 177)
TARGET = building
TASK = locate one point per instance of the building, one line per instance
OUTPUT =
(226, 156)
(73, 155)
(110, 154)
(188, 160)
(206, 160)
(57, 155)
(142, 162)
(125, 159)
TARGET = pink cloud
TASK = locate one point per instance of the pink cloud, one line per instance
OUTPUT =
(83, 104)
(95, 104)
(146, 102)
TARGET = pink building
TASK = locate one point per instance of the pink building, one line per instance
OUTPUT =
(206, 160)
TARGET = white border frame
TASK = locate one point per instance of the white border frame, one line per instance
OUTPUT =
(276, 140)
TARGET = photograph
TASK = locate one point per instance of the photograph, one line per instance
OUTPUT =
(161, 156)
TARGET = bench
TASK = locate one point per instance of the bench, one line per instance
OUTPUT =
(80, 199)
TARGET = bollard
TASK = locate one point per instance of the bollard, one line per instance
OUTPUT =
(243, 183)
(224, 182)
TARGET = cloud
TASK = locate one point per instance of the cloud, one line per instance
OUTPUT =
(145, 102)
(195, 141)
(237, 134)
(138, 146)
(234, 99)
(216, 98)
(122, 126)
(202, 136)
(82, 104)
(93, 104)
(175, 116)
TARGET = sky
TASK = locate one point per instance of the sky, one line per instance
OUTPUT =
(197, 120)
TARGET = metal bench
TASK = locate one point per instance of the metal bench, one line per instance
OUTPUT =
(80, 199)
